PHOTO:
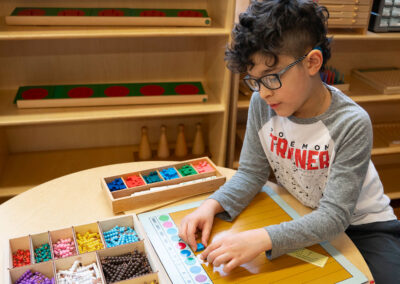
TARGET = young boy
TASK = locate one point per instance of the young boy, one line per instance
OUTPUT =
(315, 139)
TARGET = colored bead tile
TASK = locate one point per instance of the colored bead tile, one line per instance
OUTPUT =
(133, 181)
(89, 242)
(116, 184)
(187, 170)
(203, 167)
(120, 236)
(200, 247)
(42, 253)
(152, 177)
(169, 173)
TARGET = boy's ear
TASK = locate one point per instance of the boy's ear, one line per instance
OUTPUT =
(314, 61)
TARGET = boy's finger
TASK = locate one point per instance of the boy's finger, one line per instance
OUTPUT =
(222, 259)
(231, 265)
(209, 249)
(205, 234)
(183, 231)
(191, 239)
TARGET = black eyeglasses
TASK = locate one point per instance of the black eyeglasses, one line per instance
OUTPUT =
(270, 81)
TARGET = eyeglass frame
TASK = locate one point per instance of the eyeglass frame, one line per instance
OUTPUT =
(276, 75)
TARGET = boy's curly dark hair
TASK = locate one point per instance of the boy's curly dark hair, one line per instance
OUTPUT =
(277, 27)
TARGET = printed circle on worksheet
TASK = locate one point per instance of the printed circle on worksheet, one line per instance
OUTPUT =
(152, 90)
(167, 224)
(32, 12)
(71, 12)
(186, 252)
(190, 261)
(116, 91)
(163, 218)
(186, 89)
(195, 269)
(181, 245)
(35, 94)
(200, 278)
(175, 238)
(172, 231)
(80, 92)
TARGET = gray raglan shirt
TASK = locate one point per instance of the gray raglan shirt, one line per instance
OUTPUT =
(322, 161)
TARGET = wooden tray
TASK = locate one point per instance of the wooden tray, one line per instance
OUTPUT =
(385, 80)
(165, 190)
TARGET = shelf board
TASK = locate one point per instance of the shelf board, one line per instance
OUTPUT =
(23, 171)
(72, 32)
(348, 34)
(11, 115)
(386, 139)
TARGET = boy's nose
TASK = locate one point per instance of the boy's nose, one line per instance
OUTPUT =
(265, 92)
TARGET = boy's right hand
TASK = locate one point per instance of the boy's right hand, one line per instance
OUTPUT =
(199, 220)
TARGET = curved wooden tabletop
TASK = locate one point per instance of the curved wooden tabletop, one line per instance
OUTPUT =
(78, 199)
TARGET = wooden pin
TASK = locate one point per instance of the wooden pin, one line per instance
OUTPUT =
(180, 147)
(144, 146)
(198, 143)
(163, 150)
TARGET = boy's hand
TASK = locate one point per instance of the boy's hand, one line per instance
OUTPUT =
(237, 249)
(199, 220)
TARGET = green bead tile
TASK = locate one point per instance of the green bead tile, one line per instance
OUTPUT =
(187, 170)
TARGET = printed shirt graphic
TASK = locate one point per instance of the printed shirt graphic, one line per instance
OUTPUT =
(299, 156)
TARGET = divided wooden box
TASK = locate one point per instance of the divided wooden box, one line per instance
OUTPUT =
(164, 190)
(51, 267)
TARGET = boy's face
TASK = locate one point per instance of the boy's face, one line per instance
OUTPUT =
(294, 96)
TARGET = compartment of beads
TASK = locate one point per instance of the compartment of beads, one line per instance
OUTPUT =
(41, 247)
(119, 231)
(35, 273)
(162, 184)
(128, 263)
(63, 243)
(88, 238)
(20, 252)
(78, 269)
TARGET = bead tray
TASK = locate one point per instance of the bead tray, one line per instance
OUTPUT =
(50, 268)
(165, 190)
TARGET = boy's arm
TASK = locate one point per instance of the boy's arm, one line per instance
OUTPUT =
(346, 177)
(252, 174)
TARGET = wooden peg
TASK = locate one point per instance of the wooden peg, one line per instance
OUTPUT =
(163, 150)
(144, 146)
(198, 143)
(180, 147)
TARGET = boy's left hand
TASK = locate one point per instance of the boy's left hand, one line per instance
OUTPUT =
(237, 249)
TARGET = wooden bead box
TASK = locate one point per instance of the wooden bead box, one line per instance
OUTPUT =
(51, 267)
(348, 13)
(152, 187)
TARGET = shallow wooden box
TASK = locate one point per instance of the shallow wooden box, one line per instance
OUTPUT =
(132, 198)
(50, 268)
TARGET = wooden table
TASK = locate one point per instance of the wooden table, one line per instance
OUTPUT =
(77, 199)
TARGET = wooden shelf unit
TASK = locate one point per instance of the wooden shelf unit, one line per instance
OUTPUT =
(351, 51)
(34, 141)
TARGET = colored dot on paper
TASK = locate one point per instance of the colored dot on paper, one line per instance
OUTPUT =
(167, 224)
(164, 218)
